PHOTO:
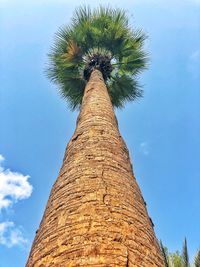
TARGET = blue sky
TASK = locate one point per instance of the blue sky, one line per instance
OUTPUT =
(161, 130)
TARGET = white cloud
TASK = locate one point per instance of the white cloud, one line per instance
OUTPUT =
(14, 186)
(10, 235)
(144, 148)
(1, 158)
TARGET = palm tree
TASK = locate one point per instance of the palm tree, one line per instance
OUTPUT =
(96, 215)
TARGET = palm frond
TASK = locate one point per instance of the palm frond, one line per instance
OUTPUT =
(102, 32)
(123, 88)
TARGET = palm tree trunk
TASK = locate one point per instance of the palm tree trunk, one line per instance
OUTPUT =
(96, 215)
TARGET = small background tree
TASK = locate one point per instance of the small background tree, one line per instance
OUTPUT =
(177, 259)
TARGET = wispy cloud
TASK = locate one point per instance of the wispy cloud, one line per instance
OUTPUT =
(144, 148)
(14, 186)
(10, 235)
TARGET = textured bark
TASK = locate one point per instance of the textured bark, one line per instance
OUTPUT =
(96, 215)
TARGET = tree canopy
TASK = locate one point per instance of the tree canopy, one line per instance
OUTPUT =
(98, 39)
(177, 259)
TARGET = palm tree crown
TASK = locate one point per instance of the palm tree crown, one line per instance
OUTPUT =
(99, 39)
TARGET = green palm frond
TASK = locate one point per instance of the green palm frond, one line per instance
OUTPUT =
(123, 88)
(102, 39)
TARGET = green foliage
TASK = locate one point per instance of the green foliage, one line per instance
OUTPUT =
(165, 254)
(177, 259)
(103, 31)
(185, 256)
(197, 259)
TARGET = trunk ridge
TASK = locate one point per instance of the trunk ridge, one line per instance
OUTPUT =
(96, 215)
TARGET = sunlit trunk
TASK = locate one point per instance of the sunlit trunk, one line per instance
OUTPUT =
(96, 215)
